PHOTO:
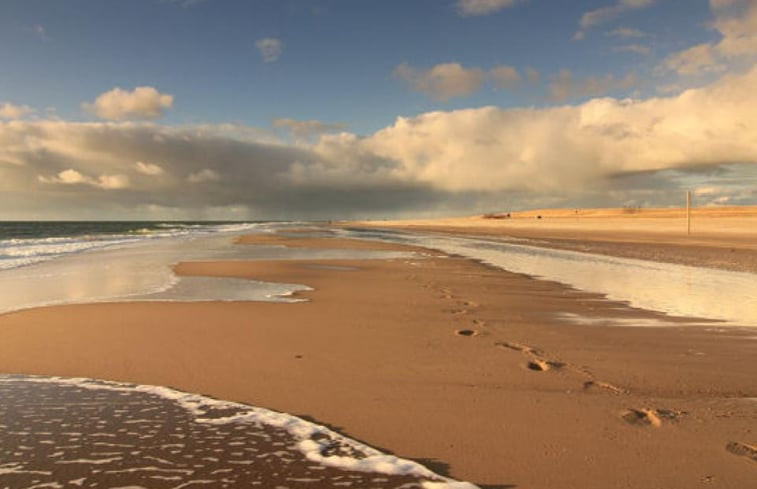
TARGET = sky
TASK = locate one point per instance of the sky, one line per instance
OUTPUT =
(330, 109)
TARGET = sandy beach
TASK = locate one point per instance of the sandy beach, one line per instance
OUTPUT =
(719, 237)
(472, 370)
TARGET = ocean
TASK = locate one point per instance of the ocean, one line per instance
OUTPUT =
(27, 242)
(53, 263)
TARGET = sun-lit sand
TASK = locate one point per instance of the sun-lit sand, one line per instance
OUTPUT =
(707, 224)
(493, 377)
(720, 237)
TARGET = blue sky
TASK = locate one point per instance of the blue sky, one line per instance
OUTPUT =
(174, 108)
(338, 56)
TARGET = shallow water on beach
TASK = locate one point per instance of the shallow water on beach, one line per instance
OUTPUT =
(141, 270)
(677, 290)
(57, 432)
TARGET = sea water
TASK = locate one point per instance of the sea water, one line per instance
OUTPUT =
(44, 264)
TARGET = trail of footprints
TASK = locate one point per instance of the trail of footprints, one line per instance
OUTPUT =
(536, 361)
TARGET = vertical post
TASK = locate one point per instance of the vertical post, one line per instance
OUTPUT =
(688, 212)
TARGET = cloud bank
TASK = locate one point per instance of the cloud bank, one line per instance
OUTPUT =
(453, 161)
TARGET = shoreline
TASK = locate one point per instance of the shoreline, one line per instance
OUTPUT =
(527, 398)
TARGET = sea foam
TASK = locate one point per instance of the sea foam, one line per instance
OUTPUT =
(316, 444)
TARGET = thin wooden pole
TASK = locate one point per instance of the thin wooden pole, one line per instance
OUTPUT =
(688, 212)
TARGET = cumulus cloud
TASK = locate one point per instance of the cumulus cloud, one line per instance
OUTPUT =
(564, 86)
(532, 74)
(634, 48)
(482, 7)
(303, 130)
(608, 13)
(605, 151)
(505, 76)
(140, 103)
(547, 149)
(448, 80)
(443, 81)
(148, 168)
(73, 177)
(204, 175)
(12, 111)
(695, 60)
(270, 48)
(736, 22)
(627, 33)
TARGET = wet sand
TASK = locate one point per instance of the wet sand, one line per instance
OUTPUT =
(440, 359)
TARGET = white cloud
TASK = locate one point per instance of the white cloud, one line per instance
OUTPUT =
(148, 168)
(443, 81)
(482, 7)
(448, 80)
(736, 22)
(695, 60)
(204, 175)
(12, 111)
(306, 129)
(608, 13)
(270, 49)
(532, 74)
(633, 48)
(73, 177)
(436, 160)
(140, 103)
(627, 33)
(504, 76)
(548, 149)
(564, 86)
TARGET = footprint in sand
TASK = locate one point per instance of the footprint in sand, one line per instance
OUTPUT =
(649, 417)
(539, 365)
(536, 363)
(466, 332)
(518, 347)
(742, 450)
(598, 384)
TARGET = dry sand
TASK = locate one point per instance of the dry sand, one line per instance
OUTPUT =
(523, 400)
(721, 237)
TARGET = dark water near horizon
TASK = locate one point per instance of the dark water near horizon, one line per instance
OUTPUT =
(27, 242)
(62, 229)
